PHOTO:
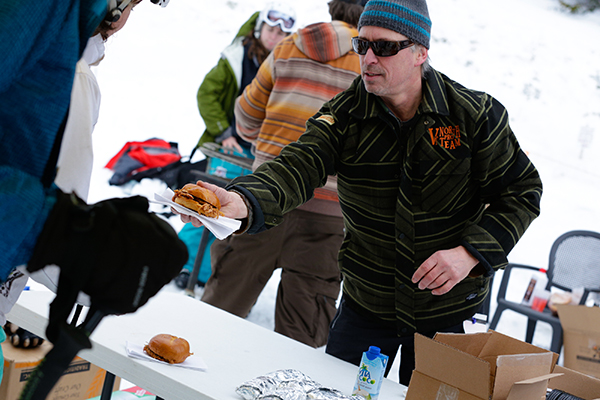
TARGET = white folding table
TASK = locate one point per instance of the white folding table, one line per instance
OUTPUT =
(234, 349)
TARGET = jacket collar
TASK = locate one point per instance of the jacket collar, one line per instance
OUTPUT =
(94, 50)
(434, 100)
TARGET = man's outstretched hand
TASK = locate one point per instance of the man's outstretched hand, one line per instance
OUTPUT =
(232, 204)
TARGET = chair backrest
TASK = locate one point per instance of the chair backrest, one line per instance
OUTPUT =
(575, 261)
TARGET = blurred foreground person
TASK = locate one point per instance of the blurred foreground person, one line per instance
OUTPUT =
(76, 157)
(303, 71)
(115, 251)
(434, 188)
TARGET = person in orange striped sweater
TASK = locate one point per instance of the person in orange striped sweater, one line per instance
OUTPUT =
(305, 70)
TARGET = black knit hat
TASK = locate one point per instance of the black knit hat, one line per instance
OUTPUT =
(359, 2)
(407, 17)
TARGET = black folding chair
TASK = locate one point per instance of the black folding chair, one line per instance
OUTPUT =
(574, 263)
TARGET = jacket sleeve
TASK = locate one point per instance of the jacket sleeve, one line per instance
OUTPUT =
(250, 107)
(510, 187)
(290, 179)
(75, 160)
(209, 98)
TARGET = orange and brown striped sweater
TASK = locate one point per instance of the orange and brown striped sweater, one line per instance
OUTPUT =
(305, 70)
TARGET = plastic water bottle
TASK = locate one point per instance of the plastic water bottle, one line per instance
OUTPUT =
(538, 283)
(370, 374)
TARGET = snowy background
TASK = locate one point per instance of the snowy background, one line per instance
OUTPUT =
(542, 63)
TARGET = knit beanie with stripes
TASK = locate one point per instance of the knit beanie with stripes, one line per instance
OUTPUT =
(407, 17)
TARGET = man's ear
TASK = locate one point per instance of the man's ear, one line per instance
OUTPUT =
(420, 55)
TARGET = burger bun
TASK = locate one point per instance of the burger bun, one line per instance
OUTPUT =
(199, 199)
(168, 348)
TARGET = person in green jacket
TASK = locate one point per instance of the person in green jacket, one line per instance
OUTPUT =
(236, 68)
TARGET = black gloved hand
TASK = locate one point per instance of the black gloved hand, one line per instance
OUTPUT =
(19, 337)
(115, 251)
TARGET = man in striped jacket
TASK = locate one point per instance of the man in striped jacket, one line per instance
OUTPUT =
(434, 189)
(301, 73)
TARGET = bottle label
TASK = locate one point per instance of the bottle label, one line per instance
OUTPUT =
(365, 376)
(369, 377)
(527, 297)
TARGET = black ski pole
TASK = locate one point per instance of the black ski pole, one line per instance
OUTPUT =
(70, 341)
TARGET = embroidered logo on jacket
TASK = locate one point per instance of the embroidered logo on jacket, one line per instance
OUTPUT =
(327, 118)
(446, 136)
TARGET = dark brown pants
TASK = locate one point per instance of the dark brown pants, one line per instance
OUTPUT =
(305, 246)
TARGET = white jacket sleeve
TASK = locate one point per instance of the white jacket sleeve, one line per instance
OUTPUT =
(76, 157)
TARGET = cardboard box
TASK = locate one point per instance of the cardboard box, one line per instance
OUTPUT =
(81, 381)
(483, 366)
(581, 333)
(575, 383)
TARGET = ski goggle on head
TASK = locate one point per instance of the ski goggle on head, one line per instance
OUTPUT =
(162, 3)
(116, 8)
(381, 48)
(285, 22)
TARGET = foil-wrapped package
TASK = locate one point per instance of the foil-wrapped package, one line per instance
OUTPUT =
(283, 375)
(323, 393)
(253, 388)
(294, 379)
(283, 394)
(286, 384)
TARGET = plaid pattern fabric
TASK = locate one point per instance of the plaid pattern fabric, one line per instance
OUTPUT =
(458, 177)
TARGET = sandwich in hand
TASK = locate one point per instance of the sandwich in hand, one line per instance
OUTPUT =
(198, 199)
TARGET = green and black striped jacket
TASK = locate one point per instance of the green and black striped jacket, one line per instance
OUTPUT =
(455, 175)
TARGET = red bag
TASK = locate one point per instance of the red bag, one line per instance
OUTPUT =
(136, 157)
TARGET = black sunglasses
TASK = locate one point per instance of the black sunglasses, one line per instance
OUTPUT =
(381, 48)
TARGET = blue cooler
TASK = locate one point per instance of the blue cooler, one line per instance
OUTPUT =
(225, 169)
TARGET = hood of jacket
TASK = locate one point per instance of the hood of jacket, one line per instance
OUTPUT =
(234, 53)
(325, 41)
(94, 50)
(248, 26)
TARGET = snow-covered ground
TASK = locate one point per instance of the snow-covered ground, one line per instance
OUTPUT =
(537, 60)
